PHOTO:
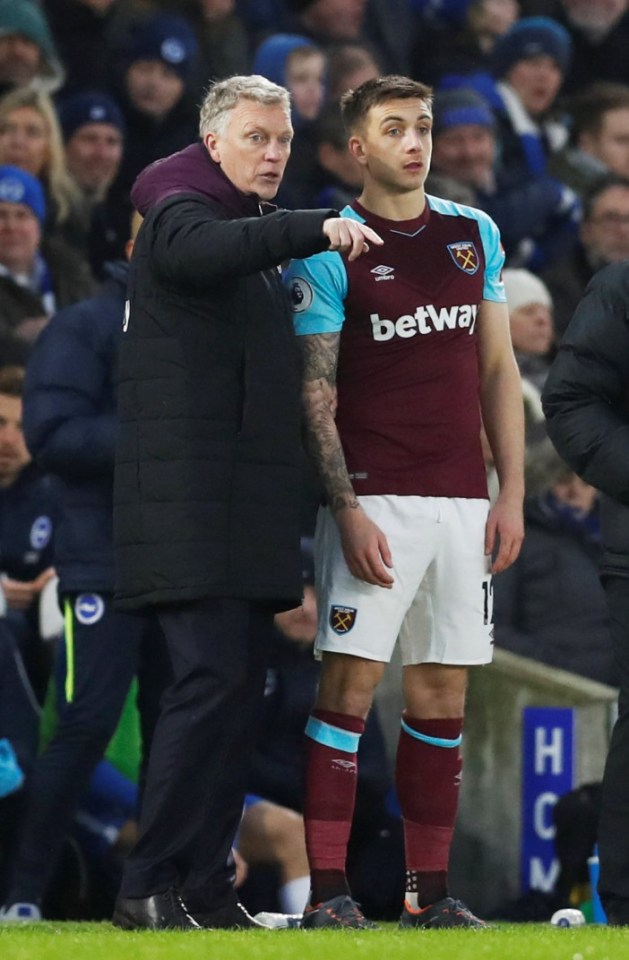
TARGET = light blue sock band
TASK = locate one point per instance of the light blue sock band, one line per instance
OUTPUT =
(330, 736)
(433, 741)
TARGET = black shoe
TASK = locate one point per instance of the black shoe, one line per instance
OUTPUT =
(231, 916)
(338, 912)
(617, 913)
(444, 913)
(162, 911)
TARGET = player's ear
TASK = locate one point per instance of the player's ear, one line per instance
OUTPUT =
(355, 147)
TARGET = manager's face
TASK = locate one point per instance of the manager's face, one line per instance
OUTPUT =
(254, 147)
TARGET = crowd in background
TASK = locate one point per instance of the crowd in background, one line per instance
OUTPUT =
(531, 124)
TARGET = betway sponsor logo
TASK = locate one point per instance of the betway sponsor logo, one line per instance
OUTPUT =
(427, 319)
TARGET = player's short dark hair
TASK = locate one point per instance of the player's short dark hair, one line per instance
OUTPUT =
(12, 381)
(356, 104)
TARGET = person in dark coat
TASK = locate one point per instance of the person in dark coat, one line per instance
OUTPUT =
(27, 521)
(586, 402)
(207, 497)
(70, 427)
(550, 605)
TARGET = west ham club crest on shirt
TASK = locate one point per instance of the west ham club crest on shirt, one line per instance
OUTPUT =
(465, 256)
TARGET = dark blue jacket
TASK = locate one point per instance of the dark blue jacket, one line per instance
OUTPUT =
(27, 519)
(70, 427)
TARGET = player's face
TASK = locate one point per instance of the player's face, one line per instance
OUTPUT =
(254, 148)
(395, 146)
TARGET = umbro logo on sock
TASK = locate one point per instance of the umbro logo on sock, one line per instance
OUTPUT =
(349, 766)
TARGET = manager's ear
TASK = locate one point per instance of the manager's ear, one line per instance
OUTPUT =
(211, 142)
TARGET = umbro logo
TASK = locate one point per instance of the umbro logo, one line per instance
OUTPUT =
(383, 273)
(348, 766)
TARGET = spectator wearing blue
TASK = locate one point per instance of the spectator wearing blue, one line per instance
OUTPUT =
(599, 31)
(27, 519)
(529, 63)
(297, 63)
(459, 41)
(93, 131)
(158, 79)
(26, 534)
(27, 51)
(71, 426)
(37, 275)
(537, 214)
(294, 62)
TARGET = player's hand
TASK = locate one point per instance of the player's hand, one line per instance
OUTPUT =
(365, 547)
(349, 236)
(504, 533)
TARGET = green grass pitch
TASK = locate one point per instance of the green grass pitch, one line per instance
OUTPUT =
(100, 941)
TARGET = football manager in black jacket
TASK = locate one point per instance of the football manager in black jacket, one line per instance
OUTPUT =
(207, 495)
(586, 401)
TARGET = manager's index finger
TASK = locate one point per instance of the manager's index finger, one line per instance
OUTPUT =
(371, 235)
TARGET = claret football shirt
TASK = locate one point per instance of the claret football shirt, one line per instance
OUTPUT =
(408, 381)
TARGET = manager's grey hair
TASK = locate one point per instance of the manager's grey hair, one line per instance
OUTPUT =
(224, 95)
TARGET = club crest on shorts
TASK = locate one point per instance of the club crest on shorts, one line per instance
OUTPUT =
(465, 256)
(342, 619)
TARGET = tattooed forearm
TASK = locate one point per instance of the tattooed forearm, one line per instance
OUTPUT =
(320, 357)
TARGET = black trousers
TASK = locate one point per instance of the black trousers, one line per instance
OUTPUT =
(106, 654)
(614, 823)
(199, 760)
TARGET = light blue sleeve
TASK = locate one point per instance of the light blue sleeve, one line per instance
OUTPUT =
(317, 289)
(493, 287)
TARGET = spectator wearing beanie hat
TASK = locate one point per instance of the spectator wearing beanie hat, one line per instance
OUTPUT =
(599, 31)
(529, 63)
(37, 276)
(531, 321)
(162, 49)
(28, 57)
(536, 214)
(93, 130)
(295, 62)
(157, 101)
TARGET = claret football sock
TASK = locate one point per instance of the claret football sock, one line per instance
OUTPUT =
(428, 773)
(332, 744)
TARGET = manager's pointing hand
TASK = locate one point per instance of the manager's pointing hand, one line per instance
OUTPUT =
(350, 236)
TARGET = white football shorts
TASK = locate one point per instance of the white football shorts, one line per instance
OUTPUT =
(440, 606)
